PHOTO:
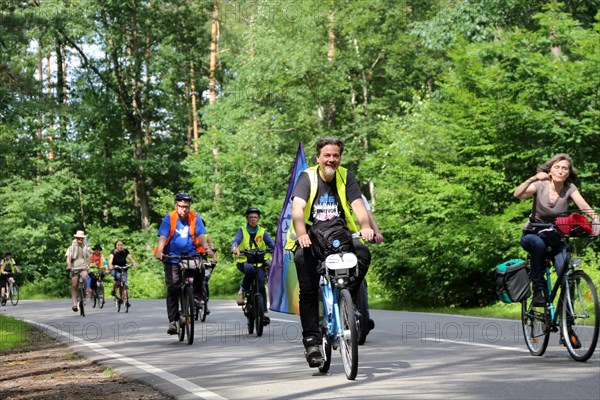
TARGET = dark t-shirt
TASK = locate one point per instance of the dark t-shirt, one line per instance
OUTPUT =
(327, 201)
(120, 257)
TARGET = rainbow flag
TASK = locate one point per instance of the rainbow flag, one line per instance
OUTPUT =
(283, 281)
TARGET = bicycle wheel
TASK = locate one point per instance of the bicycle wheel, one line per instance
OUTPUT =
(580, 317)
(81, 300)
(125, 297)
(535, 328)
(100, 292)
(181, 319)
(259, 313)
(325, 351)
(349, 339)
(361, 306)
(248, 310)
(119, 297)
(14, 294)
(203, 310)
(188, 312)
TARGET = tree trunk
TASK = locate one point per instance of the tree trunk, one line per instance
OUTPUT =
(212, 87)
(194, 105)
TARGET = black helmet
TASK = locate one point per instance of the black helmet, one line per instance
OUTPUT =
(183, 196)
(8, 253)
(97, 247)
(252, 210)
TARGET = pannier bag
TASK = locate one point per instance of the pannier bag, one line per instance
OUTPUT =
(330, 237)
(512, 281)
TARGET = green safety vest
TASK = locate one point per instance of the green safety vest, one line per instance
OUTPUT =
(340, 183)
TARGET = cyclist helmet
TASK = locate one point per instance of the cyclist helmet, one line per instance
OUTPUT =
(252, 210)
(183, 196)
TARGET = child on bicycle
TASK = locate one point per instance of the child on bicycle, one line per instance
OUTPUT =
(252, 236)
(96, 261)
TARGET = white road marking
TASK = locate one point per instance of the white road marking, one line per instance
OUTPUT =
(192, 388)
(493, 346)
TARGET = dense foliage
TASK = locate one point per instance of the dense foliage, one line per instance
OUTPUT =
(444, 107)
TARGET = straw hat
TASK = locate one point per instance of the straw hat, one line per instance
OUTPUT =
(79, 234)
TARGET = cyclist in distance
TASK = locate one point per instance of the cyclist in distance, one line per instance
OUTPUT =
(78, 258)
(248, 237)
(96, 261)
(118, 258)
(8, 267)
(181, 232)
(553, 186)
(323, 192)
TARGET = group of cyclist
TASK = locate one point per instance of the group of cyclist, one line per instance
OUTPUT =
(323, 192)
(82, 260)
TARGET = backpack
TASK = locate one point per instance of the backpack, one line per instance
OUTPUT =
(330, 237)
(512, 281)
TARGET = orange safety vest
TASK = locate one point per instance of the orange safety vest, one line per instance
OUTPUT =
(192, 217)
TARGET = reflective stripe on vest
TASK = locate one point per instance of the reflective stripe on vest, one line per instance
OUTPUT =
(192, 217)
(340, 183)
(245, 244)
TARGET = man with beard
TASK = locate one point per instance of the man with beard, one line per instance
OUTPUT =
(323, 192)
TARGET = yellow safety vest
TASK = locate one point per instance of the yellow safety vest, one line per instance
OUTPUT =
(340, 183)
(245, 244)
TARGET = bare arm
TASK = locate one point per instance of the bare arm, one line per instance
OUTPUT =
(527, 189)
(584, 206)
(298, 206)
(363, 219)
(162, 241)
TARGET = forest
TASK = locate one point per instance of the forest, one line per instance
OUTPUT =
(108, 108)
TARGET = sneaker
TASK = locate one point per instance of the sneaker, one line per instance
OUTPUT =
(371, 324)
(539, 299)
(128, 304)
(240, 299)
(113, 294)
(313, 356)
(74, 308)
(266, 320)
(207, 309)
(197, 302)
(172, 328)
(313, 351)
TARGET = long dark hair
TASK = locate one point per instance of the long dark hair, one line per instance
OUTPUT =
(547, 166)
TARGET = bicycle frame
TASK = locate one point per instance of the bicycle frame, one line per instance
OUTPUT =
(187, 308)
(252, 304)
(340, 326)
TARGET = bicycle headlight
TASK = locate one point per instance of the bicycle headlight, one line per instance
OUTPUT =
(575, 262)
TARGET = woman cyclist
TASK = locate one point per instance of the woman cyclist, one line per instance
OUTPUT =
(118, 258)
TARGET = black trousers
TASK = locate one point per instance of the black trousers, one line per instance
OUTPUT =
(173, 283)
(308, 280)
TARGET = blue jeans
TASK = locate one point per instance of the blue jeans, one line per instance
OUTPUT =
(249, 272)
(537, 249)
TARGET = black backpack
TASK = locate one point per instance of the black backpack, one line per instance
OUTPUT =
(330, 237)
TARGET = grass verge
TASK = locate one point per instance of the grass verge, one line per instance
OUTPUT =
(13, 333)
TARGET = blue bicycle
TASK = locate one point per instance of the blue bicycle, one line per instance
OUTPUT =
(339, 327)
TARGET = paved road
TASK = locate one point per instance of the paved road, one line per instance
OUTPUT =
(408, 355)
